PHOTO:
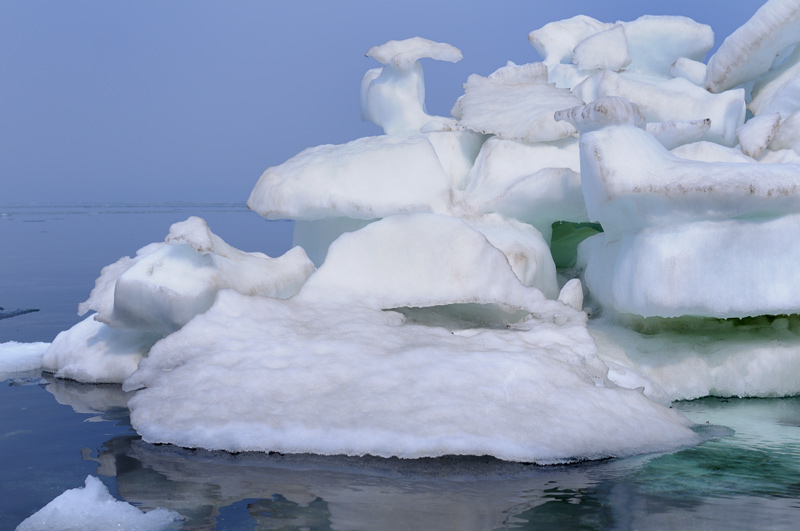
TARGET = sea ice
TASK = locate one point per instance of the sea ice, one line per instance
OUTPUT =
(20, 357)
(92, 508)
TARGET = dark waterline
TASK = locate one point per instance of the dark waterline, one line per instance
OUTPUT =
(55, 433)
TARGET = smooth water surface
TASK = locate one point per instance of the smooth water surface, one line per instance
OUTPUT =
(54, 433)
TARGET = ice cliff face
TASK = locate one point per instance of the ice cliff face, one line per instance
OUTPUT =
(437, 322)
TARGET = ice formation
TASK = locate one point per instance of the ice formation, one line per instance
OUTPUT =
(93, 508)
(20, 357)
(438, 321)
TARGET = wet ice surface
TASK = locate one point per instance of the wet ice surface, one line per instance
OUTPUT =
(55, 433)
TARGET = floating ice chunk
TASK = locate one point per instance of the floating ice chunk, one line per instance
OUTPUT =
(422, 260)
(313, 378)
(751, 49)
(394, 96)
(163, 289)
(605, 49)
(517, 103)
(710, 152)
(92, 508)
(368, 178)
(756, 134)
(572, 294)
(674, 134)
(556, 41)
(694, 71)
(656, 42)
(20, 357)
(788, 134)
(672, 100)
(777, 90)
(92, 352)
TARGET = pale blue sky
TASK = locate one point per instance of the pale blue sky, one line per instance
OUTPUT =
(190, 100)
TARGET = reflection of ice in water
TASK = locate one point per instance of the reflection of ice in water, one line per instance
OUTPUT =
(709, 482)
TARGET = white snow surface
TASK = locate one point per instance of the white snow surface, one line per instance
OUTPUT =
(331, 376)
(755, 135)
(93, 508)
(752, 48)
(556, 41)
(788, 134)
(20, 357)
(657, 41)
(778, 90)
(368, 178)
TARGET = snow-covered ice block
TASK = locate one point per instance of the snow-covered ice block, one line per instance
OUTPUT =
(683, 237)
(309, 376)
(556, 41)
(93, 508)
(393, 97)
(752, 48)
(656, 42)
(517, 103)
(630, 180)
(605, 49)
(778, 90)
(756, 134)
(166, 285)
(457, 151)
(694, 71)
(92, 352)
(422, 260)
(368, 178)
(728, 268)
(20, 357)
(672, 100)
(710, 152)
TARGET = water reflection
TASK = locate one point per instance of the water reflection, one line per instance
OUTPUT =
(733, 482)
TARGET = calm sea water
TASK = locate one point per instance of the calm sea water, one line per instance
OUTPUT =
(55, 433)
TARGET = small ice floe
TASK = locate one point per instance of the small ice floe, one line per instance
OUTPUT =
(93, 508)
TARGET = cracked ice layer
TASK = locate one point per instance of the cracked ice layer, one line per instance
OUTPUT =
(312, 378)
(751, 49)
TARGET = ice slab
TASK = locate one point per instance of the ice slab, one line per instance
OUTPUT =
(516, 102)
(368, 178)
(309, 376)
(556, 41)
(92, 508)
(751, 49)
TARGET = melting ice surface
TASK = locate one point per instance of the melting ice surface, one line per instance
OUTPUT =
(423, 313)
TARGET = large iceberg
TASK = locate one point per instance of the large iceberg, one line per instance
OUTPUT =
(535, 277)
